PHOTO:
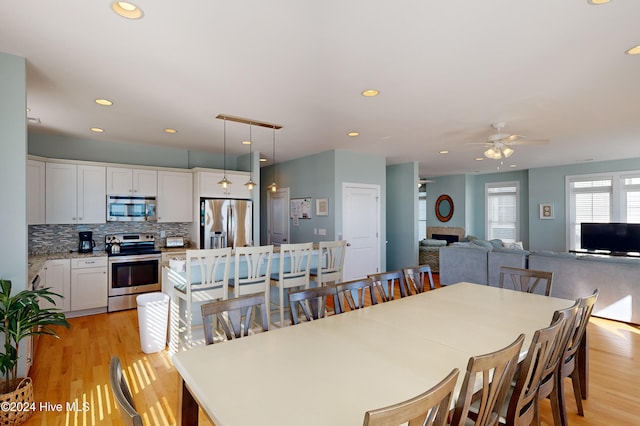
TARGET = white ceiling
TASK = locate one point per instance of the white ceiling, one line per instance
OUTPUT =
(445, 70)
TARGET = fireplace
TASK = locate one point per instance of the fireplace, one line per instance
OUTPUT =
(449, 238)
(451, 234)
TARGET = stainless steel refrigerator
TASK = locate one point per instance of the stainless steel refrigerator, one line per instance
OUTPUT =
(225, 222)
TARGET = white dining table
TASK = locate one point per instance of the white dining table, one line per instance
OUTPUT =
(330, 371)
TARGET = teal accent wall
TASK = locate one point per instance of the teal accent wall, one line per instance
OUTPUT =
(454, 186)
(402, 216)
(476, 219)
(322, 175)
(548, 185)
(13, 176)
(70, 148)
(545, 185)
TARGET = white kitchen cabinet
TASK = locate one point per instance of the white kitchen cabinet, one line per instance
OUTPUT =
(75, 193)
(208, 184)
(89, 287)
(35, 192)
(137, 182)
(175, 196)
(57, 275)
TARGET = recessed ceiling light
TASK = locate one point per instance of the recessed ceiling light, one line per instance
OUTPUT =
(513, 166)
(479, 158)
(263, 160)
(246, 142)
(127, 10)
(634, 50)
(370, 93)
(104, 102)
(171, 131)
(97, 130)
(353, 134)
(444, 151)
(597, 2)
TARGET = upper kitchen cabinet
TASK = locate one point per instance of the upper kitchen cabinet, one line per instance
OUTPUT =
(35, 192)
(75, 193)
(175, 196)
(137, 182)
(207, 184)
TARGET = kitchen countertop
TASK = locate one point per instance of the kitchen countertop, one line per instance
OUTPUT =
(37, 261)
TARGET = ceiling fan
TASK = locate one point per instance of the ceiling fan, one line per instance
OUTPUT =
(499, 145)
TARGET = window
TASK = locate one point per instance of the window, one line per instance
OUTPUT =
(601, 198)
(422, 213)
(502, 213)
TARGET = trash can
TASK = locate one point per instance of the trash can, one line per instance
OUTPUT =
(153, 316)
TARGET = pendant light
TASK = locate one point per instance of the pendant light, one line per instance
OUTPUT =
(250, 184)
(224, 182)
(273, 187)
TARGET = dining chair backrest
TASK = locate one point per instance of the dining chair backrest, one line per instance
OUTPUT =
(522, 409)
(417, 278)
(567, 317)
(122, 394)
(430, 408)
(207, 274)
(234, 316)
(568, 366)
(311, 301)
(497, 370)
(330, 262)
(525, 280)
(252, 270)
(353, 294)
(386, 283)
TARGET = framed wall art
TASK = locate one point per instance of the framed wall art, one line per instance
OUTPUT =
(322, 206)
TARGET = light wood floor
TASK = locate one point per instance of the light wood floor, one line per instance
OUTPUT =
(75, 368)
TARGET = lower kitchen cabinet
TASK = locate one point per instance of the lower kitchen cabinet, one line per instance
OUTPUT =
(57, 276)
(89, 283)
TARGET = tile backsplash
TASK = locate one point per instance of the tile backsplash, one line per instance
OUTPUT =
(45, 239)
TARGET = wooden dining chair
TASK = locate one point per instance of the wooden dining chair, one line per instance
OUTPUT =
(122, 394)
(293, 272)
(495, 371)
(353, 294)
(330, 262)
(430, 408)
(311, 301)
(568, 366)
(522, 409)
(207, 278)
(386, 283)
(548, 388)
(416, 279)
(525, 280)
(234, 316)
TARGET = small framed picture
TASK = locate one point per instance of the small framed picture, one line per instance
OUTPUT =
(322, 206)
(546, 211)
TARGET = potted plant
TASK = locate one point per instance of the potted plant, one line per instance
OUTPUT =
(20, 317)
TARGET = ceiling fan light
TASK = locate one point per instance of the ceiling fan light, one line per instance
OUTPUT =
(493, 153)
(507, 152)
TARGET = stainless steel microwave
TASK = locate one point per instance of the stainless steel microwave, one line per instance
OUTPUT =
(125, 208)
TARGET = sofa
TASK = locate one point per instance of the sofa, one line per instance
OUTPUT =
(574, 276)
(478, 261)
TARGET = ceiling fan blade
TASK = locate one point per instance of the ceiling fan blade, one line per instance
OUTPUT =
(528, 141)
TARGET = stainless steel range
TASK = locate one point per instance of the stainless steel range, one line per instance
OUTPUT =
(134, 268)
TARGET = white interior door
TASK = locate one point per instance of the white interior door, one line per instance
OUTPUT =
(361, 229)
(278, 216)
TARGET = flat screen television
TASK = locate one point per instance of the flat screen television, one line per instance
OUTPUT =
(611, 237)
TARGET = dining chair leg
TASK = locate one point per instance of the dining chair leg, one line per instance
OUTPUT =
(560, 413)
(555, 406)
(577, 393)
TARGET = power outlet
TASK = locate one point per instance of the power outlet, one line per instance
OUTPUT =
(322, 231)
